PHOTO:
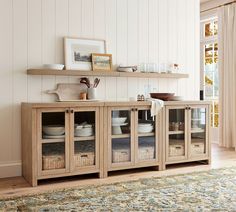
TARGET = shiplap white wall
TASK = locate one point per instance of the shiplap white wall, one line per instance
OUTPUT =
(136, 31)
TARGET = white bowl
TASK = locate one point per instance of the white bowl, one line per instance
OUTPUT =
(83, 132)
(53, 66)
(119, 120)
(54, 130)
(144, 124)
(125, 69)
(145, 129)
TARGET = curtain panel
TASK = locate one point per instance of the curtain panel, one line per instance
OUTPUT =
(227, 75)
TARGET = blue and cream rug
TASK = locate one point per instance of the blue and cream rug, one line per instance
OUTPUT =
(214, 190)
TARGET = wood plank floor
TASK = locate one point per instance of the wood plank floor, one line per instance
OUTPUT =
(17, 186)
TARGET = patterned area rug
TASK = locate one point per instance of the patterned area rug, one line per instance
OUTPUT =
(214, 190)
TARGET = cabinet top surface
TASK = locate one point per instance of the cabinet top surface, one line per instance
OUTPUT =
(111, 103)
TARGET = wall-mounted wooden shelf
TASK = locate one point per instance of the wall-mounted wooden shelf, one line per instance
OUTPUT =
(104, 73)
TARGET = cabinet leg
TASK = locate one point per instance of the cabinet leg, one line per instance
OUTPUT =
(34, 183)
(163, 167)
(102, 175)
(105, 174)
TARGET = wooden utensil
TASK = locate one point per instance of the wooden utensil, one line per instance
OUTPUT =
(86, 81)
(67, 91)
(96, 82)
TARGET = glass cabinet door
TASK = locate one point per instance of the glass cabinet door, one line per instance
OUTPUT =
(146, 132)
(198, 131)
(53, 140)
(121, 145)
(176, 136)
(84, 137)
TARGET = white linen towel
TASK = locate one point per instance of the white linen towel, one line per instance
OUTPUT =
(157, 104)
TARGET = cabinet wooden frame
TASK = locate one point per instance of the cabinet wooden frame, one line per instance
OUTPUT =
(135, 162)
(188, 157)
(40, 142)
(32, 141)
(167, 143)
(122, 165)
(157, 134)
(73, 139)
(207, 134)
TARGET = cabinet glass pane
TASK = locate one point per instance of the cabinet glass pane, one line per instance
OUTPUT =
(53, 156)
(176, 132)
(198, 131)
(146, 135)
(53, 125)
(121, 138)
(84, 138)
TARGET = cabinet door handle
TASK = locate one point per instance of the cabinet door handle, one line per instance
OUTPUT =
(132, 109)
(72, 111)
(136, 109)
(67, 111)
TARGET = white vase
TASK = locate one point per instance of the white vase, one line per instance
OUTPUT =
(92, 93)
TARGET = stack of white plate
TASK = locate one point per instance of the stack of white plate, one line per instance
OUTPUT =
(83, 130)
(53, 131)
(145, 127)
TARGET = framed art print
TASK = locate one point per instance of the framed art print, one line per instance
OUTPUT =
(101, 62)
(78, 52)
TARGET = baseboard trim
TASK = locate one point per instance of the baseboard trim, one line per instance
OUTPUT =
(10, 169)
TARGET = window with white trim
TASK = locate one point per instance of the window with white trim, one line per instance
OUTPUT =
(209, 65)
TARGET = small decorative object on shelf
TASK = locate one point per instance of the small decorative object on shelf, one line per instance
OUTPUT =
(140, 98)
(174, 68)
(83, 95)
(122, 68)
(148, 68)
(101, 62)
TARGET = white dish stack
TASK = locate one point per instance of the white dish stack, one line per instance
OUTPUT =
(83, 130)
(145, 127)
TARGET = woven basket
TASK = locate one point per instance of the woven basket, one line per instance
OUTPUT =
(176, 149)
(84, 159)
(120, 155)
(146, 153)
(197, 148)
(53, 162)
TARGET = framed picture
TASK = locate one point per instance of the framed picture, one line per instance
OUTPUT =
(78, 52)
(101, 62)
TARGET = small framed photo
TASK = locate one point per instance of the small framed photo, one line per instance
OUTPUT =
(78, 52)
(102, 62)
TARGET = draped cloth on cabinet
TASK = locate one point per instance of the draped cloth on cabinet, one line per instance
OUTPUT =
(227, 75)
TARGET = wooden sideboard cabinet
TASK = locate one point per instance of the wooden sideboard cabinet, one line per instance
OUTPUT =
(187, 132)
(74, 152)
(100, 137)
(136, 141)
